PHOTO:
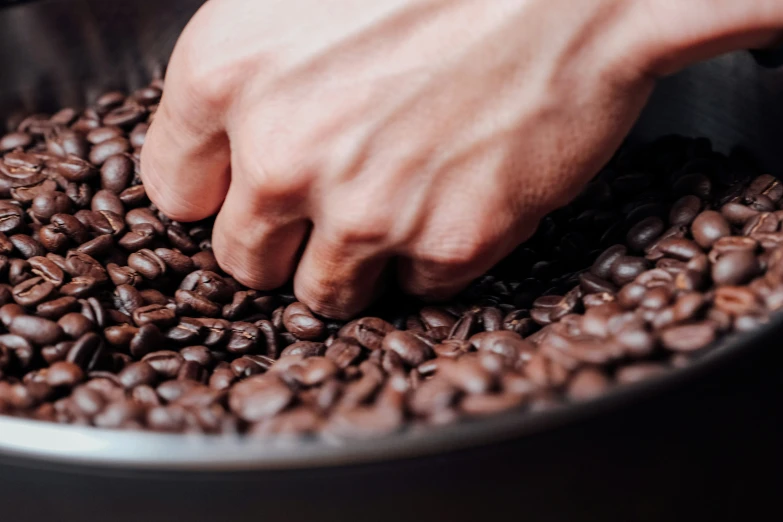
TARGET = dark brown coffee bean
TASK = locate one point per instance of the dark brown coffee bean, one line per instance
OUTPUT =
(74, 324)
(147, 263)
(121, 414)
(259, 397)
(107, 200)
(81, 264)
(209, 285)
(46, 268)
(166, 363)
(176, 261)
(304, 349)
(123, 275)
(15, 140)
(37, 329)
(689, 337)
(626, 268)
(684, 210)
(467, 374)
(244, 338)
(708, 227)
(89, 401)
(86, 351)
(146, 339)
(205, 261)
(734, 268)
(27, 246)
(64, 374)
(736, 300)
(765, 185)
(44, 206)
(411, 349)
(191, 303)
(738, 214)
(116, 173)
(159, 315)
(140, 373)
(368, 331)
(108, 148)
(644, 233)
(32, 292)
(300, 321)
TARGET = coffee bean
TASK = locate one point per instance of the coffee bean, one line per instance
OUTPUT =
(708, 227)
(64, 374)
(411, 349)
(75, 325)
(688, 337)
(156, 314)
(644, 233)
(33, 291)
(259, 397)
(626, 268)
(735, 268)
(684, 210)
(37, 329)
(147, 263)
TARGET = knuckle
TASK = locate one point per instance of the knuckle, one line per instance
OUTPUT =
(361, 225)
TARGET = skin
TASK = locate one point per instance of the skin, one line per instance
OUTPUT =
(348, 142)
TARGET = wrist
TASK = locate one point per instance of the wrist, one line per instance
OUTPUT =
(674, 34)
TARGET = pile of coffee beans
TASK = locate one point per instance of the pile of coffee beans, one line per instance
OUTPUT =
(114, 316)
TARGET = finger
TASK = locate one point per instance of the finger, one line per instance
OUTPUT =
(337, 278)
(186, 155)
(451, 251)
(258, 249)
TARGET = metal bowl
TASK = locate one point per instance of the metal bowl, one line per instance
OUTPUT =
(690, 440)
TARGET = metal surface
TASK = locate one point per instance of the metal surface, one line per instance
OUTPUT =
(61, 52)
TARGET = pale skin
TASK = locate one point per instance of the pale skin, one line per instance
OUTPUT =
(347, 142)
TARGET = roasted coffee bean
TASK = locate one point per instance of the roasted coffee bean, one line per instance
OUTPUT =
(166, 363)
(638, 372)
(244, 338)
(176, 261)
(204, 261)
(466, 374)
(200, 355)
(37, 329)
(108, 148)
(733, 268)
(139, 373)
(64, 374)
(147, 263)
(708, 227)
(33, 291)
(74, 324)
(738, 214)
(626, 268)
(684, 210)
(259, 397)
(304, 349)
(411, 349)
(688, 337)
(159, 315)
(187, 332)
(209, 285)
(80, 264)
(123, 275)
(86, 351)
(44, 206)
(27, 246)
(644, 233)
(191, 303)
(301, 322)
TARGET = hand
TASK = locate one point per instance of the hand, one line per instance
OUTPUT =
(342, 140)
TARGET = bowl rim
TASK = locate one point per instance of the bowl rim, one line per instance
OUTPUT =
(47, 442)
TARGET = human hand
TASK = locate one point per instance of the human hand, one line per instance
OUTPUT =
(340, 140)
